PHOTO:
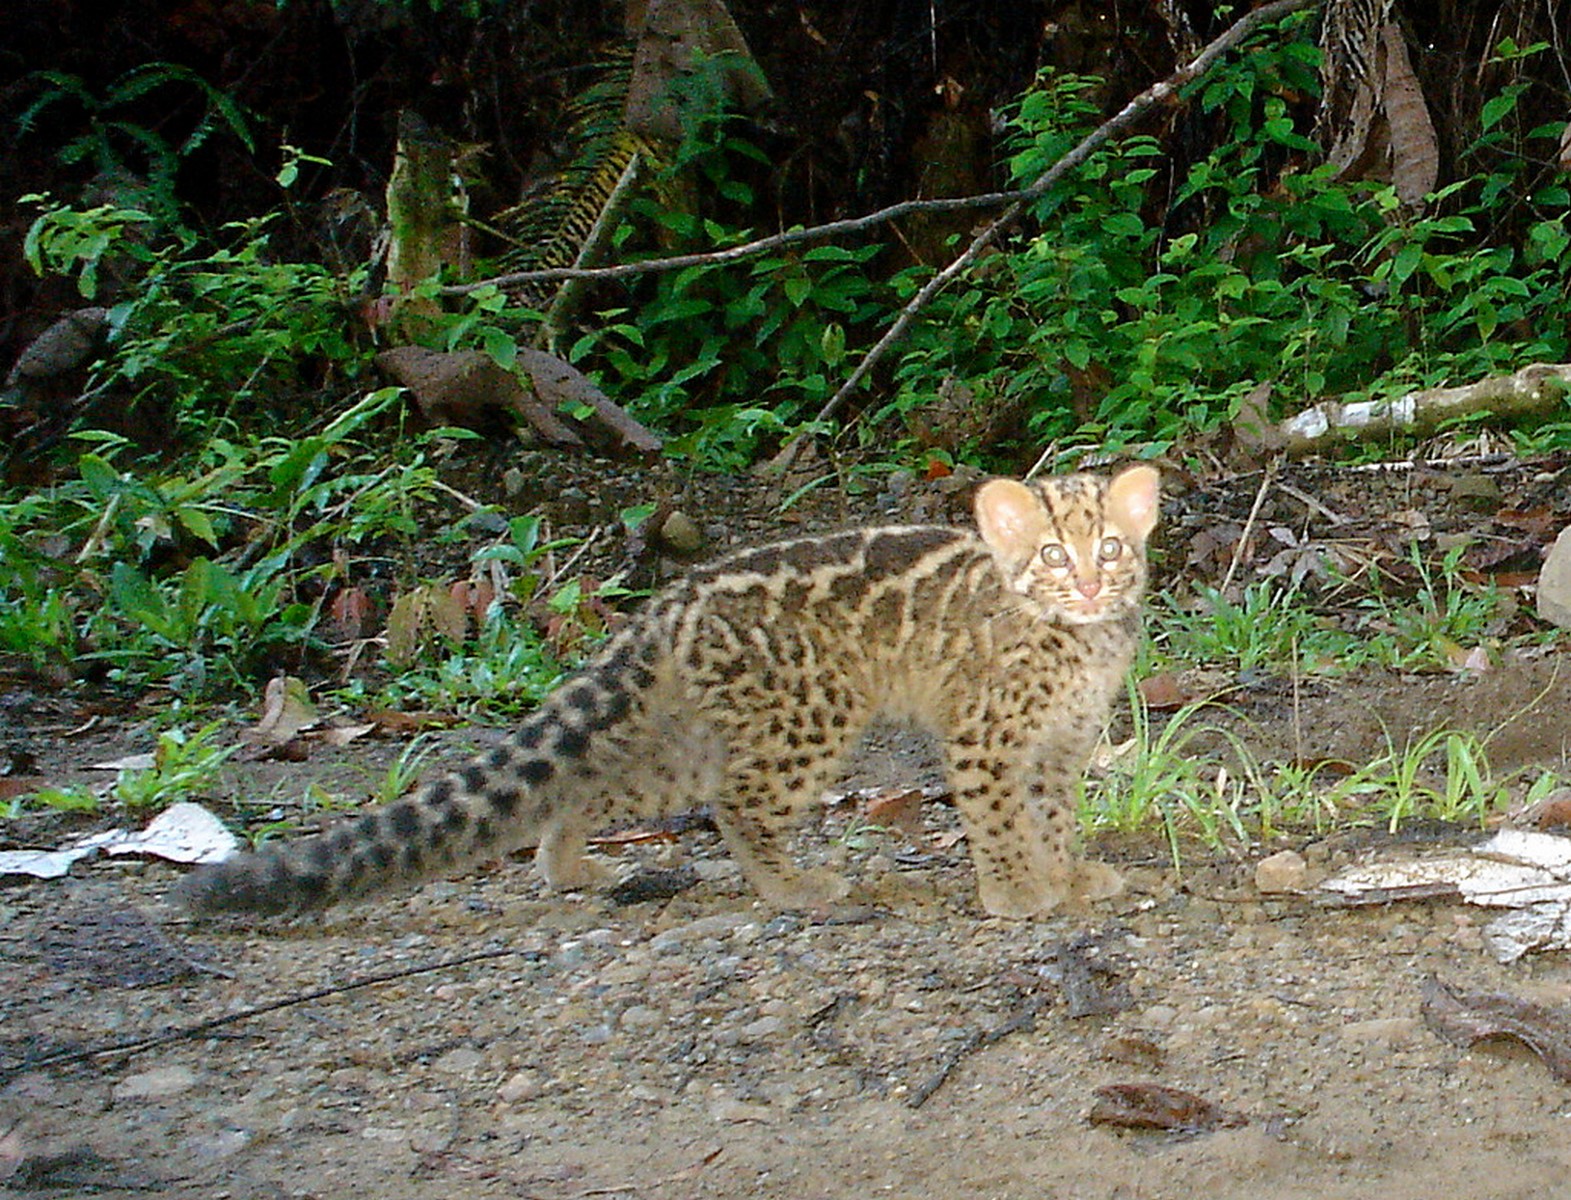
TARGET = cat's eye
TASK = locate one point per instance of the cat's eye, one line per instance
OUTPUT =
(1110, 549)
(1055, 556)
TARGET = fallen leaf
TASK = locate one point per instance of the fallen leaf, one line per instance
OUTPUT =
(387, 720)
(1157, 1106)
(1467, 1018)
(449, 612)
(1554, 809)
(1542, 521)
(183, 832)
(405, 623)
(937, 468)
(350, 614)
(286, 711)
(897, 808)
(130, 762)
(342, 735)
(1163, 692)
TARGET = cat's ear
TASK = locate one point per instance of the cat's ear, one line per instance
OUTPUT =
(1011, 518)
(1134, 498)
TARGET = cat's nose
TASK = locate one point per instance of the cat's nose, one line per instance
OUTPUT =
(1088, 587)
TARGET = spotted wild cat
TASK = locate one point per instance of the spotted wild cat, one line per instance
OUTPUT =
(741, 686)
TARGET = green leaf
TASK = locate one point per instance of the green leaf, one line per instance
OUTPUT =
(197, 523)
(1495, 109)
(102, 480)
(499, 345)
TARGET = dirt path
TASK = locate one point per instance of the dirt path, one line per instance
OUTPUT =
(702, 1046)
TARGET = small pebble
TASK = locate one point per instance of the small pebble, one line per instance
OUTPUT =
(460, 1060)
(1284, 871)
(157, 1084)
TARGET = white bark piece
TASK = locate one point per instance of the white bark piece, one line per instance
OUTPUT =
(183, 832)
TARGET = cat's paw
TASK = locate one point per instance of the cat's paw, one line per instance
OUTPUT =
(820, 887)
(1018, 900)
(1095, 881)
(577, 874)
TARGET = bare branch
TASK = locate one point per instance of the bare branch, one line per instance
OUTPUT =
(1093, 141)
(790, 237)
(1245, 26)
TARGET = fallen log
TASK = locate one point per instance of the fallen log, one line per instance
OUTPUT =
(1534, 390)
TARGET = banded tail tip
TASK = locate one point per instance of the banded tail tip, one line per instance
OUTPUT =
(248, 883)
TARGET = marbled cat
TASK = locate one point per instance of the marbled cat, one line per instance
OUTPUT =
(741, 685)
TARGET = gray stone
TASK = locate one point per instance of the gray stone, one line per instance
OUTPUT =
(1554, 582)
(157, 1084)
(1281, 872)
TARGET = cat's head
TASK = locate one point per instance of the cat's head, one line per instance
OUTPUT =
(1074, 545)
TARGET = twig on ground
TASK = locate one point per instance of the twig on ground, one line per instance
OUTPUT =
(1024, 1017)
(129, 1046)
(1267, 479)
(682, 1176)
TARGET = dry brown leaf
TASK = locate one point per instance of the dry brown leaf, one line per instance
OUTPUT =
(449, 612)
(1254, 432)
(405, 624)
(1552, 811)
(342, 735)
(1467, 1018)
(1163, 692)
(387, 720)
(1157, 1106)
(350, 614)
(286, 711)
(897, 808)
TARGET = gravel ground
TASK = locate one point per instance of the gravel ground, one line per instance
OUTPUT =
(701, 1045)
(706, 1046)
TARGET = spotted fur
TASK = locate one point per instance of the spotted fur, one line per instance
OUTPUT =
(743, 684)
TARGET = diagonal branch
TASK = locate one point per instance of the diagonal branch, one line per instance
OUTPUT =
(790, 237)
(1121, 120)
(1154, 95)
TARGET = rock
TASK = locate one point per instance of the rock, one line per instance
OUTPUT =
(1554, 582)
(460, 1060)
(220, 1144)
(764, 1027)
(572, 507)
(727, 1110)
(680, 534)
(1392, 1031)
(157, 1084)
(641, 1016)
(520, 1086)
(1284, 871)
(69, 344)
(718, 926)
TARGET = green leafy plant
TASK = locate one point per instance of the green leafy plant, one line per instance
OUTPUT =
(1127, 318)
(204, 332)
(183, 765)
(120, 136)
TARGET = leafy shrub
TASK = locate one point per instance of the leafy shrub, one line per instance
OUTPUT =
(1283, 274)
